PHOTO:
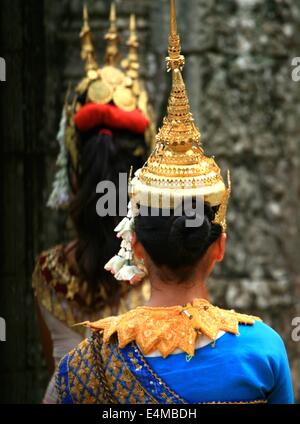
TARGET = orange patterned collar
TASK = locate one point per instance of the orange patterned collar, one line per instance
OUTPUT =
(171, 328)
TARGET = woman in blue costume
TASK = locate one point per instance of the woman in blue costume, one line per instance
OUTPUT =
(179, 348)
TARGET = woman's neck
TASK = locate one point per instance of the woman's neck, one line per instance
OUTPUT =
(173, 294)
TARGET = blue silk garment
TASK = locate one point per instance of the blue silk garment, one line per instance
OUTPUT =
(253, 365)
(249, 368)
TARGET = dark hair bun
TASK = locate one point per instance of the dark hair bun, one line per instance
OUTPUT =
(172, 242)
(188, 237)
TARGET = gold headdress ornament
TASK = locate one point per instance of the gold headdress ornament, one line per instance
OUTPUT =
(177, 169)
(112, 38)
(87, 48)
(131, 66)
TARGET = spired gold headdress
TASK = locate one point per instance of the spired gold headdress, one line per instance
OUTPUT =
(177, 168)
(110, 84)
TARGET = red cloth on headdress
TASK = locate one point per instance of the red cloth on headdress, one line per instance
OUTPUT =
(105, 131)
(94, 115)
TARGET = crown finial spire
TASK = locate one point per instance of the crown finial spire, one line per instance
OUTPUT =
(131, 63)
(132, 24)
(86, 15)
(179, 131)
(133, 38)
(87, 48)
(175, 60)
(112, 38)
(173, 26)
(113, 14)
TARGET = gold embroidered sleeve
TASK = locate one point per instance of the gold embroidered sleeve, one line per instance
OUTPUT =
(41, 291)
(45, 279)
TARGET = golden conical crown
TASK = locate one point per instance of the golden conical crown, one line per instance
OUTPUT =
(178, 166)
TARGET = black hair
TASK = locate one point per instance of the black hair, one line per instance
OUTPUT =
(171, 244)
(101, 157)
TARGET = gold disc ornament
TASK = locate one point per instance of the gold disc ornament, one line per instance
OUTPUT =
(112, 76)
(92, 74)
(100, 92)
(124, 99)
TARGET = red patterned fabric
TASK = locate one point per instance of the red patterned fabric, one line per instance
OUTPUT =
(94, 115)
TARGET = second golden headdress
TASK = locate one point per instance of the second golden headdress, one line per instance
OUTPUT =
(114, 85)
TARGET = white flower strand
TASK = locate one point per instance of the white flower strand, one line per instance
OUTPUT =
(124, 265)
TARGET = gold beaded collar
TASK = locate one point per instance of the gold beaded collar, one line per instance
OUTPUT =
(171, 328)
